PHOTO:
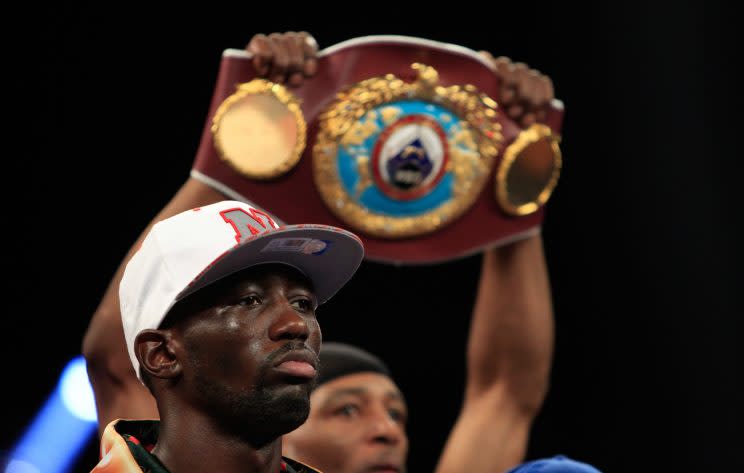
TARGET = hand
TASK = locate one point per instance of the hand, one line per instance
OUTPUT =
(525, 93)
(284, 57)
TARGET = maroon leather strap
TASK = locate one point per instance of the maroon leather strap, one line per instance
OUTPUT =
(293, 196)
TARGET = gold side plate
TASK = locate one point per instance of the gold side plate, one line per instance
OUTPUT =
(260, 130)
(529, 171)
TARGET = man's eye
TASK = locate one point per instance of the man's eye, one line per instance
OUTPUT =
(397, 415)
(304, 305)
(348, 410)
(250, 301)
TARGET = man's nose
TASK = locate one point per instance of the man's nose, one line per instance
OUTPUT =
(385, 429)
(289, 325)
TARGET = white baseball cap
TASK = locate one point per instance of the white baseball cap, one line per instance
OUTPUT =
(193, 249)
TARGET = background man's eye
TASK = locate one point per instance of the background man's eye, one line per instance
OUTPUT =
(348, 410)
(397, 415)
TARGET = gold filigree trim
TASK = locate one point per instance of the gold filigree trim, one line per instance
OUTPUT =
(473, 145)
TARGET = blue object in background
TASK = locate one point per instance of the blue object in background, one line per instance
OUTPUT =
(61, 429)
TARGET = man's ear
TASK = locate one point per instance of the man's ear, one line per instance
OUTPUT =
(156, 354)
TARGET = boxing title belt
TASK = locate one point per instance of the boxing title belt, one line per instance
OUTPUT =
(396, 138)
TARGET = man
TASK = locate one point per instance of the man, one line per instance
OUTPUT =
(218, 310)
(357, 416)
(510, 344)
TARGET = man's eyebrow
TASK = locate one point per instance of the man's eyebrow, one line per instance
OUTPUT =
(396, 395)
(361, 391)
(355, 391)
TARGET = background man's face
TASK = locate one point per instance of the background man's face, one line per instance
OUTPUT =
(356, 425)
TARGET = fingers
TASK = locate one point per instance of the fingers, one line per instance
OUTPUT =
(262, 52)
(280, 62)
(310, 49)
(525, 93)
(505, 69)
(296, 53)
(548, 91)
(520, 74)
(284, 57)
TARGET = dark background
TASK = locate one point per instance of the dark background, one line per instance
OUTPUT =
(107, 105)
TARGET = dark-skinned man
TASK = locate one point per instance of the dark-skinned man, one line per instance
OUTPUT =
(511, 335)
(218, 312)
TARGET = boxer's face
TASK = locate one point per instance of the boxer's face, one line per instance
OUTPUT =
(356, 425)
(248, 350)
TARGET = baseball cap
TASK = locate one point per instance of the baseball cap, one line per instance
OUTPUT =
(556, 464)
(195, 248)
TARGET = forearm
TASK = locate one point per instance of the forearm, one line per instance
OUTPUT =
(510, 345)
(511, 334)
(509, 354)
(489, 435)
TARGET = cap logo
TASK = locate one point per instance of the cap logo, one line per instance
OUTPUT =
(245, 223)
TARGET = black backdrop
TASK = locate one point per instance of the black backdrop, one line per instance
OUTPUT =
(107, 103)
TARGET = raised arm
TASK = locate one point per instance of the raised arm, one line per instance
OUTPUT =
(510, 344)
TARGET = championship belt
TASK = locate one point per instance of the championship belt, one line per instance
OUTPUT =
(396, 138)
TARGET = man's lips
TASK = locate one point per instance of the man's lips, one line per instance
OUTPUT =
(390, 460)
(385, 468)
(298, 364)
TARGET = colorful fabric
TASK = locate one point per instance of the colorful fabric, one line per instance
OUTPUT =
(126, 447)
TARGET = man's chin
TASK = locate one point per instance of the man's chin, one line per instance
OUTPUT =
(291, 405)
(285, 392)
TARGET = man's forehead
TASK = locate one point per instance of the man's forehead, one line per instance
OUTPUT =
(265, 273)
(234, 284)
(359, 384)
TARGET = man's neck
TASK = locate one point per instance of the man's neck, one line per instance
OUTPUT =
(193, 443)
